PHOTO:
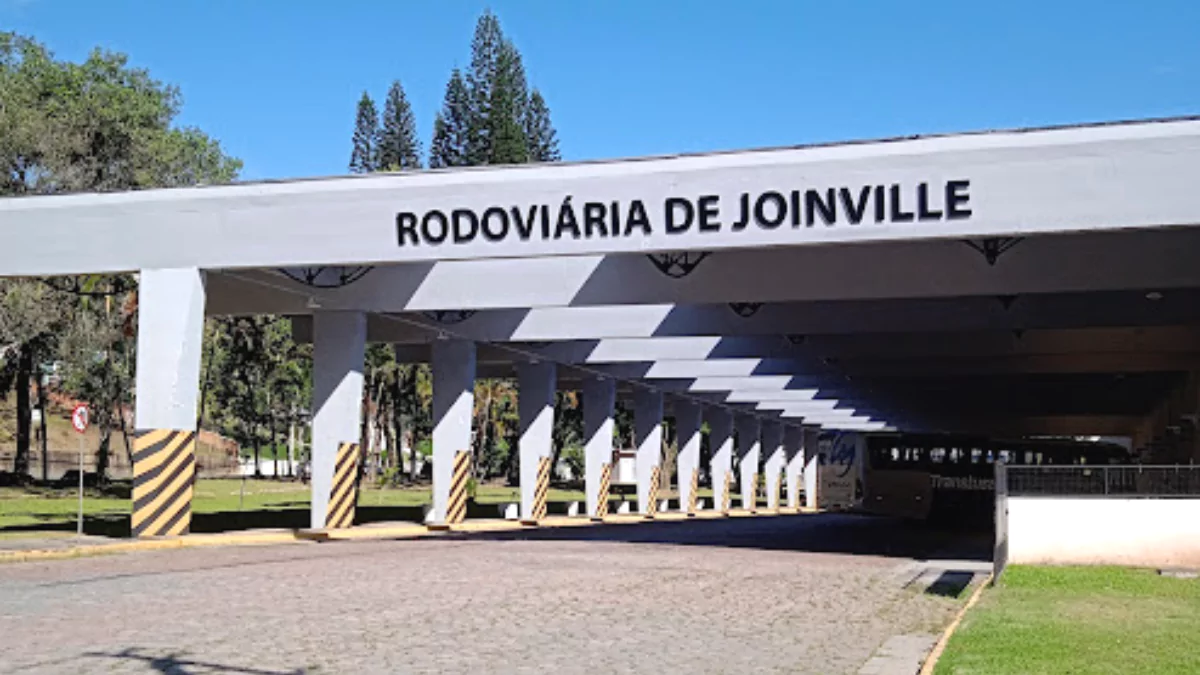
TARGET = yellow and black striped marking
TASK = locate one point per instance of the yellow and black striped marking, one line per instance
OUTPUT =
(778, 491)
(753, 492)
(602, 493)
(164, 470)
(343, 496)
(456, 507)
(542, 488)
(727, 498)
(692, 496)
(652, 494)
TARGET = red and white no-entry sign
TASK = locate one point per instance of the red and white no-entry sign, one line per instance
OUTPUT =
(79, 418)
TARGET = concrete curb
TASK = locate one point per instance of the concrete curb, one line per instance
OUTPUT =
(189, 541)
(931, 661)
(358, 533)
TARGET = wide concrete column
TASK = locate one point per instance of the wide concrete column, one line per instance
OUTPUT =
(687, 431)
(169, 344)
(599, 400)
(772, 444)
(453, 366)
(339, 347)
(536, 384)
(720, 444)
(811, 465)
(748, 449)
(793, 448)
(647, 423)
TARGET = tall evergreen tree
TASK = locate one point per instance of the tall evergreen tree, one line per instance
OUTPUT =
(364, 158)
(506, 134)
(451, 128)
(540, 137)
(399, 147)
(485, 53)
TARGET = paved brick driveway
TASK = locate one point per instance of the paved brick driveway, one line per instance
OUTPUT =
(746, 595)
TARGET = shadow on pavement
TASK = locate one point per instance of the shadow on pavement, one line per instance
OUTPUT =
(841, 533)
(175, 664)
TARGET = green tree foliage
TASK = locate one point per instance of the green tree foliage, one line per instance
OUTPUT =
(505, 130)
(98, 125)
(399, 147)
(451, 126)
(364, 157)
(540, 137)
(481, 79)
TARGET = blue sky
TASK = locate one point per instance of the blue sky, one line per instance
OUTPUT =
(277, 81)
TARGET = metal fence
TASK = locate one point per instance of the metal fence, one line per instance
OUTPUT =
(1104, 481)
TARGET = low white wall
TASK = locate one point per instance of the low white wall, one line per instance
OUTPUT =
(1076, 530)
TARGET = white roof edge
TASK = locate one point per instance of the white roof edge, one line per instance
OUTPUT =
(824, 151)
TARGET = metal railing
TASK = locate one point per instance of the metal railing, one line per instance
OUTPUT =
(1105, 481)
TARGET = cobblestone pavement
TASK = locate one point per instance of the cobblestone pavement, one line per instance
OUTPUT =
(808, 594)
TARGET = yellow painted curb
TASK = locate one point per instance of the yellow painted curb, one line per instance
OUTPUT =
(932, 659)
(186, 541)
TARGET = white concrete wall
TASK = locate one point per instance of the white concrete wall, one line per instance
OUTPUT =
(1145, 532)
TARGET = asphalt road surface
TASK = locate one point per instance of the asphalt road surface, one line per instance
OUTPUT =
(808, 594)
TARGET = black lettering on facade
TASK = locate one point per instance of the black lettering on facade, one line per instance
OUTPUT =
(593, 218)
(710, 210)
(855, 210)
(678, 215)
(923, 210)
(406, 228)
(880, 204)
(899, 215)
(770, 216)
(814, 203)
(637, 218)
(616, 219)
(495, 224)
(464, 224)
(524, 226)
(567, 221)
(744, 218)
(434, 227)
(957, 199)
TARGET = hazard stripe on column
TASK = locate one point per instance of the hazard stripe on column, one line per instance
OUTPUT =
(542, 489)
(602, 493)
(456, 507)
(343, 496)
(164, 470)
(727, 498)
(692, 498)
(754, 492)
(652, 497)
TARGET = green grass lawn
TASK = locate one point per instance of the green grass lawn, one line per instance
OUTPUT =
(1043, 620)
(26, 507)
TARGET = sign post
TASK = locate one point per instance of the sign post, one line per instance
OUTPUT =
(79, 420)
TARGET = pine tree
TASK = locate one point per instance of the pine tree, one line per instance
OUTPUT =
(540, 137)
(399, 147)
(506, 134)
(451, 128)
(485, 53)
(364, 158)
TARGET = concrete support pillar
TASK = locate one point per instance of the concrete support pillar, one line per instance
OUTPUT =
(811, 464)
(720, 443)
(170, 340)
(599, 399)
(793, 447)
(773, 462)
(536, 384)
(339, 347)
(749, 447)
(687, 431)
(453, 405)
(647, 422)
